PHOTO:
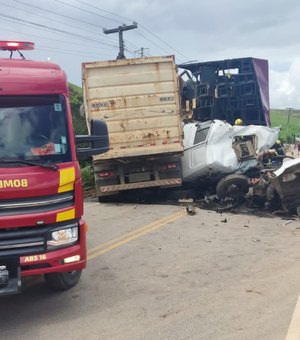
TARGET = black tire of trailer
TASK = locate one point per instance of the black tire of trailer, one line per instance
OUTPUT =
(107, 199)
(63, 281)
(237, 181)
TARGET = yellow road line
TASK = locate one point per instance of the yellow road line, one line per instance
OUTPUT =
(117, 242)
(135, 231)
(294, 329)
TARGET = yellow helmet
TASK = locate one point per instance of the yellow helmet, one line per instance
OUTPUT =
(278, 141)
(238, 122)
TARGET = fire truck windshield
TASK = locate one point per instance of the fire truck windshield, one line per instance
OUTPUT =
(34, 128)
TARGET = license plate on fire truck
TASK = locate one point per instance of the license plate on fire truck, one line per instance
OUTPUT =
(10, 275)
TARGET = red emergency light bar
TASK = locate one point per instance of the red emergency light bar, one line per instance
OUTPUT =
(16, 45)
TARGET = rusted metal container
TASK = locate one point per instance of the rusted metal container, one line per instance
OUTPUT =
(139, 100)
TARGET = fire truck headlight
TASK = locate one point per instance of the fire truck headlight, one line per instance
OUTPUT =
(63, 237)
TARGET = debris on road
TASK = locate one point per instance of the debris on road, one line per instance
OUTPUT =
(191, 210)
(287, 222)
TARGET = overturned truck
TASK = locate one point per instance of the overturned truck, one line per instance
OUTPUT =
(227, 90)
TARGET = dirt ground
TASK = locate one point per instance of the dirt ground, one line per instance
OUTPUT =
(159, 272)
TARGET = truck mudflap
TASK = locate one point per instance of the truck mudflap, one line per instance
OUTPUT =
(10, 276)
(139, 185)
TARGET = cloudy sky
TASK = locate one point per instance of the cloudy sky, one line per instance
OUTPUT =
(70, 32)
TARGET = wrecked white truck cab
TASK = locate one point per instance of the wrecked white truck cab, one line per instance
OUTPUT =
(215, 148)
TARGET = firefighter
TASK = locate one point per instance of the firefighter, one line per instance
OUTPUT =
(238, 122)
(278, 146)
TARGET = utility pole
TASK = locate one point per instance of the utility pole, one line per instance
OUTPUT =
(120, 30)
(288, 121)
(142, 52)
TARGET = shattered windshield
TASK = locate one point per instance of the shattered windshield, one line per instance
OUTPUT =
(34, 127)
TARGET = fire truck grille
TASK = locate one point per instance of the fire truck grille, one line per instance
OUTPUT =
(23, 241)
(36, 204)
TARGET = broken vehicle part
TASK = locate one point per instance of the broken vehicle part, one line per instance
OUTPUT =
(215, 148)
(286, 181)
(233, 187)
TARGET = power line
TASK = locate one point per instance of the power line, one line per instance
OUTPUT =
(122, 17)
(59, 14)
(43, 16)
(142, 35)
(107, 18)
(68, 51)
(142, 26)
(58, 40)
(85, 10)
(101, 9)
(102, 16)
(146, 29)
(56, 13)
(41, 26)
(73, 19)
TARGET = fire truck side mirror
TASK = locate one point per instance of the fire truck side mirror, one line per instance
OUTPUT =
(98, 141)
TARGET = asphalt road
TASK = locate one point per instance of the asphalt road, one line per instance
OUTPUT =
(155, 272)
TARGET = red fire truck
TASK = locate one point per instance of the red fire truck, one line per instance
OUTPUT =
(41, 197)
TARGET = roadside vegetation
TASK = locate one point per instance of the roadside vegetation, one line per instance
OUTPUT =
(80, 129)
(75, 101)
(289, 126)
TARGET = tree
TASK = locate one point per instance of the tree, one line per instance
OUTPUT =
(76, 101)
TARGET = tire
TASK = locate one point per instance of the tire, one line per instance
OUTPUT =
(104, 199)
(63, 281)
(110, 198)
(233, 187)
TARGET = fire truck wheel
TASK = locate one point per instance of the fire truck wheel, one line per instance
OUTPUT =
(233, 186)
(63, 281)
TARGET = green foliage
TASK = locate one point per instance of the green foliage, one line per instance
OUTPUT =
(76, 101)
(87, 176)
(290, 127)
(80, 128)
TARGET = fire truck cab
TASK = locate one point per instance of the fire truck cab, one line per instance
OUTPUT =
(41, 196)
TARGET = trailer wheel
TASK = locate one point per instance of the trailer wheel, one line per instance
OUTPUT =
(233, 187)
(109, 198)
(63, 281)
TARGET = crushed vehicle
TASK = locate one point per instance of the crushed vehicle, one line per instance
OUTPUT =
(241, 164)
(215, 148)
(272, 188)
(286, 183)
